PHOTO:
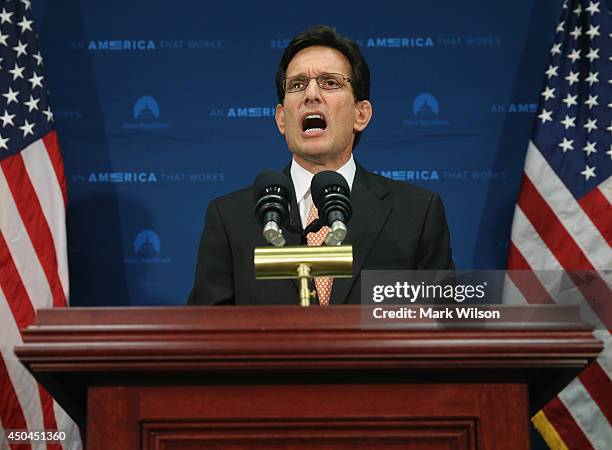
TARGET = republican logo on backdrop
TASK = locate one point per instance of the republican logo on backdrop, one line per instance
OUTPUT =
(147, 249)
(146, 109)
(146, 244)
(425, 112)
(145, 113)
(425, 105)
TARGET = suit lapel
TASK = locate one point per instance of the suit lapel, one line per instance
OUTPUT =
(370, 213)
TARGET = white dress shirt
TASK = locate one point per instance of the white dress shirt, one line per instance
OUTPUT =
(301, 183)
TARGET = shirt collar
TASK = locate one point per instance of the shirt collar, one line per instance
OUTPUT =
(302, 178)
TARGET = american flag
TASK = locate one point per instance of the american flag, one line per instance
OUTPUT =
(563, 216)
(33, 257)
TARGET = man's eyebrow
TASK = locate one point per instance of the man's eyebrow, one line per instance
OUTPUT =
(304, 75)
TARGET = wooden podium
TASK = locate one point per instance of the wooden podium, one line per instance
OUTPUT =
(229, 378)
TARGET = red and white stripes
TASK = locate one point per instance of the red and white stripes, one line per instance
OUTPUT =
(553, 231)
(33, 275)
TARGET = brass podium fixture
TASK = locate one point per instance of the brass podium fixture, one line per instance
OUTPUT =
(303, 262)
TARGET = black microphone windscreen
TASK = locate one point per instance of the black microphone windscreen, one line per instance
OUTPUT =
(326, 179)
(269, 178)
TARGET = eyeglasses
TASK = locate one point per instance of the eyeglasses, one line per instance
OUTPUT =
(327, 81)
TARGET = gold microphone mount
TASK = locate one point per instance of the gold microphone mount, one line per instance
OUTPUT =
(303, 262)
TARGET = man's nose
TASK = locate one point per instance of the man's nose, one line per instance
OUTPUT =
(312, 93)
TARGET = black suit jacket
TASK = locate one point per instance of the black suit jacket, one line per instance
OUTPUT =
(395, 225)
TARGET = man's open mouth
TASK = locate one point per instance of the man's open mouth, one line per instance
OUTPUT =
(313, 123)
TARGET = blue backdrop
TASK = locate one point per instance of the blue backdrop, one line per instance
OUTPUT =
(162, 106)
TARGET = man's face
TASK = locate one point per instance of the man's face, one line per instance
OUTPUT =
(326, 143)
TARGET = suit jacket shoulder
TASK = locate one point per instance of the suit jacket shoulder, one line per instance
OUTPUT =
(400, 187)
(414, 233)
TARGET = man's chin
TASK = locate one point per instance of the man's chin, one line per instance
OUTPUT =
(314, 153)
(315, 145)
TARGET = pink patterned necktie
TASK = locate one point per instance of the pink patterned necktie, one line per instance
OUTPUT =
(323, 284)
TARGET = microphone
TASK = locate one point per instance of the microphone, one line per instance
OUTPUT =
(272, 192)
(332, 197)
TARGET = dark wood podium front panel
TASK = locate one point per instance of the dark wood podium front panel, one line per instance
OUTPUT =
(337, 434)
(315, 416)
(229, 378)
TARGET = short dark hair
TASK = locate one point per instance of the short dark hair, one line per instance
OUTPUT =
(328, 37)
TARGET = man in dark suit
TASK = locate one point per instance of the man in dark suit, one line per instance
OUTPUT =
(323, 85)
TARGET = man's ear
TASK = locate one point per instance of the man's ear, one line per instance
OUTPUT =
(279, 115)
(363, 114)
